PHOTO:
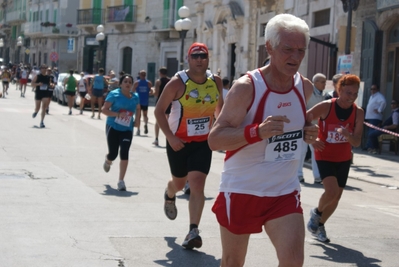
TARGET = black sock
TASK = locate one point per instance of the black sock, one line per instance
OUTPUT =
(192, 226)
(318, 212)
(169, 198)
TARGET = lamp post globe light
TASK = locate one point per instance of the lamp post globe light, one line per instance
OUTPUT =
(19, 44)
(182, 26)
(100, 38)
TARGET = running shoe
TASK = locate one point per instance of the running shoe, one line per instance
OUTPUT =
(317, 180)
(106, 166)
(145, 129)
(81, 112)
(321, 234)
(313, 224)
(193, 239)
(186, 188)
(138, 133)
(70, 112)
(34, 114)
(42, 125)
(301, 179)
(170, 207)
(155, 143)
(121, 186)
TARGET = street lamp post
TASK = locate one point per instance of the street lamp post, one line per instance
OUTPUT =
(100, 38)
(19, 44)
(182, 26)
(1, 46)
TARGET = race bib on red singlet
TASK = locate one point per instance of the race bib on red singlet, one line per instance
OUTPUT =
(333, 136)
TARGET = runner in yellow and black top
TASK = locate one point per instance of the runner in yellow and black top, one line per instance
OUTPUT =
(5, 78)
(196, 97)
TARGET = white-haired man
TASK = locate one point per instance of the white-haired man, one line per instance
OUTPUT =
(261, 127)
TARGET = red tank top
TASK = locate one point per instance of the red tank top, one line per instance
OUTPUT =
(337, 148)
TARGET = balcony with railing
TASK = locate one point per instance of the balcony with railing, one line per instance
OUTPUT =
(121, 14)
(16, 17)
(90, 17)
(49, 29)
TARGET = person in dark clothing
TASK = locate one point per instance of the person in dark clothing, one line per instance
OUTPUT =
(159, 86)
(390, 124)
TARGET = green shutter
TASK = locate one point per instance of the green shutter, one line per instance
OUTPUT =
(47, 15)
(165, 18)
(179, 4)
(55, 16)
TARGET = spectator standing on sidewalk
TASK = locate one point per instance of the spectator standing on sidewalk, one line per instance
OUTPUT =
(123, 111)
(41, 83)
(340, 128)
(335, 80)
(143, 87)
(375, 109)
(319, 84)
(196, 97)
(261, 127)
(226, 87)
(390, 124)
(159, 86)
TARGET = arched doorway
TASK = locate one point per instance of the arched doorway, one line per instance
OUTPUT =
(392, 78)
(127, 54)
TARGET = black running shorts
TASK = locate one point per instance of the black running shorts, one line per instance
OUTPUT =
(195, 156)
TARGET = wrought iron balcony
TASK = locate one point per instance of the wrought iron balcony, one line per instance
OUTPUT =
(91, 16)
(121, 14)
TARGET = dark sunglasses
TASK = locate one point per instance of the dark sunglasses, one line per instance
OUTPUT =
(201, 56)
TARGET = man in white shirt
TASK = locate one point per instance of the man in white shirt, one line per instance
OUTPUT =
(318, 95)
(375, 109)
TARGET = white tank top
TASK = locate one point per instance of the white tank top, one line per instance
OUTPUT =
(268, 168)
(82, 86)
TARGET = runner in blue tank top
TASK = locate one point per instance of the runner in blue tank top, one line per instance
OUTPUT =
(143, 88)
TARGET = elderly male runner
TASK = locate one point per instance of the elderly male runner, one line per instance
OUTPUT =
(261, 127)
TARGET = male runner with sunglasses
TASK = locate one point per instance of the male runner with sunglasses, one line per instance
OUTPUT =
(196, 97)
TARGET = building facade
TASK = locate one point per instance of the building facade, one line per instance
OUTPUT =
(47, 30)
(140, 34)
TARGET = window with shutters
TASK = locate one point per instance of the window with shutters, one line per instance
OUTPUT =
(321, 18)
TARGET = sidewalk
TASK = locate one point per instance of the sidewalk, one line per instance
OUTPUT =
(378, 169)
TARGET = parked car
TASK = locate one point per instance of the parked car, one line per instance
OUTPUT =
(59, 95)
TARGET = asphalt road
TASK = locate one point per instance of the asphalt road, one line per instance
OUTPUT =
(59, 208)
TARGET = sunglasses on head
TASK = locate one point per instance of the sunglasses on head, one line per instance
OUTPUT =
(201, 56)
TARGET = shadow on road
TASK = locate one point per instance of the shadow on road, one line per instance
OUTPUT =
(109, 191)
(178, 256)
(339, 254)
(366, 169)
